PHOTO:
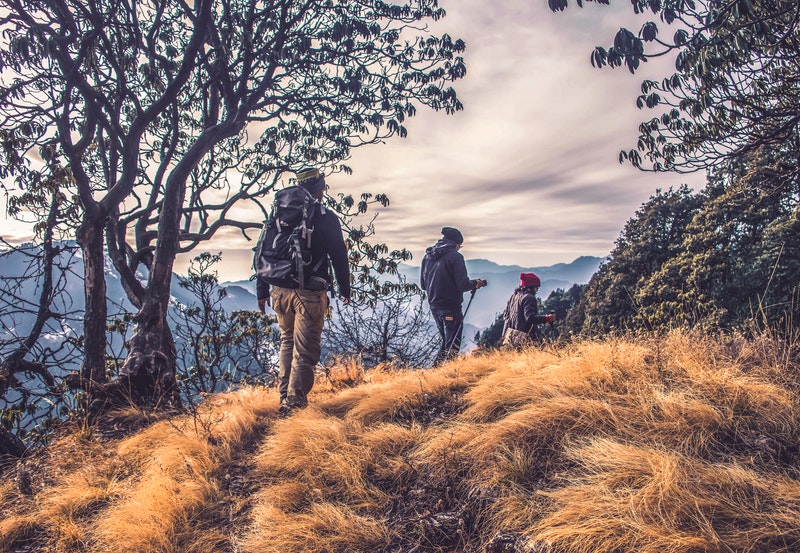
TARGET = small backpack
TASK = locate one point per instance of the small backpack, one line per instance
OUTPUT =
(283, 251)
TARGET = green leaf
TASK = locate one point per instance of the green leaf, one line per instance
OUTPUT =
(649, 31)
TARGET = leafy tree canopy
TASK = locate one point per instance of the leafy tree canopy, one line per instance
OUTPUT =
(722, 259)
(735, 86)
(127, 97)
(157, 121)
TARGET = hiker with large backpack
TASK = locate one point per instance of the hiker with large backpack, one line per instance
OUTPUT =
(443, 275)
(300, 239)
(521, 317)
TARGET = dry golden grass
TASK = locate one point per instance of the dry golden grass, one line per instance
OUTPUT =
(670, 445)
(651, 500)
(152, 491)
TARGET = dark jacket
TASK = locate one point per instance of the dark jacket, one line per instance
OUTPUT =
(522, 312)
(443, 275)
(326, 243)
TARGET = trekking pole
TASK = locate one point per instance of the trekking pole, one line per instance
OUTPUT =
(461, 325)
(471, 296)
(552, 328)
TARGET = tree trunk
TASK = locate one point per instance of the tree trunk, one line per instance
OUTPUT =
(90, 237)
(151, 361)
(11, 445)
(149, 368)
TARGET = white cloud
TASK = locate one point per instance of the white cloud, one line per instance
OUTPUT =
(529, 171)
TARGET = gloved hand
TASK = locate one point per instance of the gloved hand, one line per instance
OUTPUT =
(550, 318)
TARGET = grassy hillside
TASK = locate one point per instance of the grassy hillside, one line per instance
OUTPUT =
(681, 444)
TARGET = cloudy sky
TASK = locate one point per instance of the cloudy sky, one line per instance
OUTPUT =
(528, 171)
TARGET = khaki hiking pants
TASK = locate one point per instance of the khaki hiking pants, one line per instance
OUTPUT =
(301, 316)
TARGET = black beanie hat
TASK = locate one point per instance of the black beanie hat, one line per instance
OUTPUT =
(453, 234)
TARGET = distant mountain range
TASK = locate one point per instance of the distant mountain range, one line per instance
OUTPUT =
(489, 301)
(15, 265)
(503, 279)
(15, 321)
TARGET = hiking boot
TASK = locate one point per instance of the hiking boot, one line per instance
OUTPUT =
(287, 408)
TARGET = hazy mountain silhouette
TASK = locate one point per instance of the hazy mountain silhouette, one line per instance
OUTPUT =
(15, 265)
(240, 295)
(503, 279)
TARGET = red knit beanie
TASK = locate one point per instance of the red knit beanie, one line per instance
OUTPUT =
(529, 280)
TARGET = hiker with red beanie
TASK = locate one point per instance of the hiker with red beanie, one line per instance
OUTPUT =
(521, 317)
(443, 275)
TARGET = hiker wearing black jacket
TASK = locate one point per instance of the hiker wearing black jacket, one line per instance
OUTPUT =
(443, 275)
(301, 311)
(521, 318)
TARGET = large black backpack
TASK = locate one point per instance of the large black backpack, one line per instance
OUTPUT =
(283, 253)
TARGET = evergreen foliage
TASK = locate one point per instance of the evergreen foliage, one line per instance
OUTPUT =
(651, 237)
(721, 259)
(728, 256)
(492, 336)
(565, 305)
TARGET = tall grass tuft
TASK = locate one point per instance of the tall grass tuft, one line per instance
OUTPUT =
(672, 444)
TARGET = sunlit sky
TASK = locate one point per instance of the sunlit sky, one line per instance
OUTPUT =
(529, 170)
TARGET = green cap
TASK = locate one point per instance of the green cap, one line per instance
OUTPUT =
(312, 180)
(307, 176)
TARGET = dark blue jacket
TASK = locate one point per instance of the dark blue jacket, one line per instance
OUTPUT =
(443, 275)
